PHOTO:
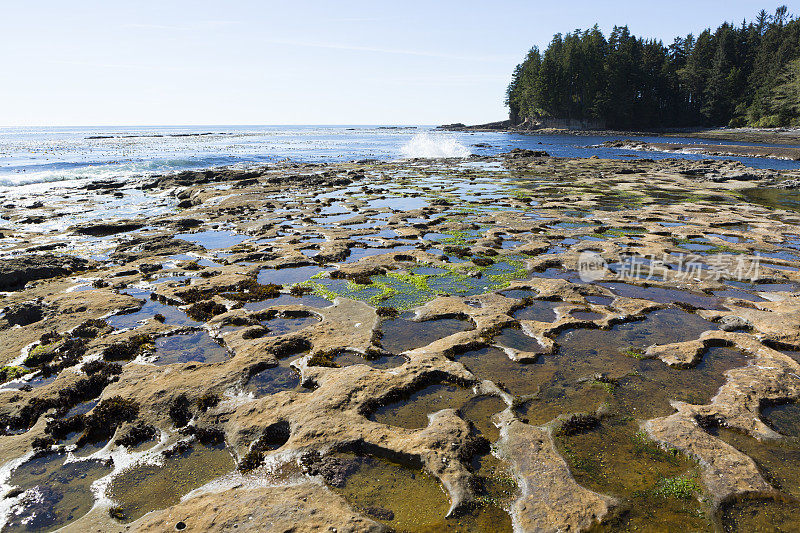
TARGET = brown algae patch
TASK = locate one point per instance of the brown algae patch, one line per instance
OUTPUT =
(147, 487)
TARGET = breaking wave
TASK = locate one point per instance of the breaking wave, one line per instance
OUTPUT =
(433, 146)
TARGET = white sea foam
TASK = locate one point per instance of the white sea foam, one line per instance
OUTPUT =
(434, 146)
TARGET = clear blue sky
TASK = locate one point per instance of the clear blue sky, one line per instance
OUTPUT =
(295, 62)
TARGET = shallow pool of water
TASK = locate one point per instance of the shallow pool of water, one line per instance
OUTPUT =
(788, 199)
(189, 347)
(593, 366)
(146, 487)
(412, 412)
(516, 339)
(288, 276)
(172, 315)
(760, 514)
(213, 240)
(56, 493)
(519, 294)
(400, 335)
(783, 418)
(404, 498)
(658, 488)
(276, 379)
(282, 326)
(539, 310)
(384, 363)
(660, 295)
(777, 460)
(494, 364)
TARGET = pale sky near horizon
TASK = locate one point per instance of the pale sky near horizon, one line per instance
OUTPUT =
(300, 62)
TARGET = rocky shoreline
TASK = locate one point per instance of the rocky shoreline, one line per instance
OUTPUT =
(782, 136)
(727, 150)
(408, 345)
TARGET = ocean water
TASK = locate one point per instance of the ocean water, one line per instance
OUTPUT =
(50, 155)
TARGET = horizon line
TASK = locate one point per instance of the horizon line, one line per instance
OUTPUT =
(389, 124)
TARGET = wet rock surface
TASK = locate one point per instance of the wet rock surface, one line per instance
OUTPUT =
(792, 153)
(551, 499)
(324, 339)
(16, 272)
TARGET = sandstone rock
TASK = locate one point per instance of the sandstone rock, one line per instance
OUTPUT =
(726, 471)
(551, 500)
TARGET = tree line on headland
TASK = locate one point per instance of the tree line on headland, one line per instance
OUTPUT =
(746, 75)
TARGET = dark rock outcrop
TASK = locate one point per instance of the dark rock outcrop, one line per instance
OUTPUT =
(104, 229)
(17, 271)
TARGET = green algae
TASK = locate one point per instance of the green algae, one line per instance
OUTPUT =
(408, 289)
(42, 353)
(681, 487)
(8, 373)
